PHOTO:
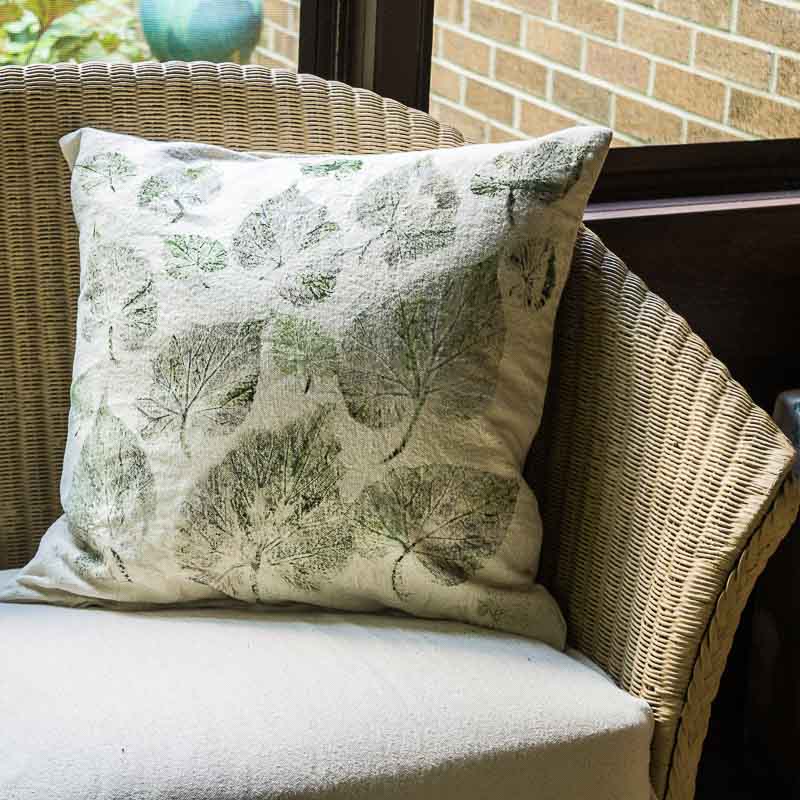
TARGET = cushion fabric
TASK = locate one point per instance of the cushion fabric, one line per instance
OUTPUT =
(236, 705)
(313, 380)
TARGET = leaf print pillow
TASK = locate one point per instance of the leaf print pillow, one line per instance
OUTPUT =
(312, 379)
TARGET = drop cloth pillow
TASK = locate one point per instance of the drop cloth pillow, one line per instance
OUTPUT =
(313, 380)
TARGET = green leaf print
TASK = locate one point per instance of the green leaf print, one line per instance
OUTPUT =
(119, 297)
(340, 168)
(205, 378)
(110, 500)
(188, 254)
(268, 514)
(448, 519)
(175, 190)
(105, 169)
(538, 175)
(300, 348)
(284, 227)
(408, 213)
(436, 347)
(532, 264)
(311, 285)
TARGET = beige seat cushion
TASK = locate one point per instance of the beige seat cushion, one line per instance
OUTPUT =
(242, 705)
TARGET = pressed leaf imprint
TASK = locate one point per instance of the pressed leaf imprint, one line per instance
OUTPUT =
(407, 214)
(111, 499)
(119, 297)
(308, 286)
(435, 348)
(448, 519)
(105, 169)
(539, 175)
(188, 254)
(284, 227)
(175, 190)
(340, 168)
(269, 515)
(205, 378)
(532, 263)
(300, 347)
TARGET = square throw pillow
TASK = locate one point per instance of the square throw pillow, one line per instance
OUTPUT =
(312, 380)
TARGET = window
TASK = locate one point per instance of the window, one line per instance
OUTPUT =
(249, 31)
(656, 71)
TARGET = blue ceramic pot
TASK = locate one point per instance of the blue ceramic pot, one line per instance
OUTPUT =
(201, 30)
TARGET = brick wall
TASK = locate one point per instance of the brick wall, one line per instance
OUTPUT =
(656, 71)
(279, 36)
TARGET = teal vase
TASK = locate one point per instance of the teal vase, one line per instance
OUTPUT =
(201, 30)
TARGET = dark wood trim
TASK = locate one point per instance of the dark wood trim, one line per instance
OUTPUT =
(692, 170)
(322, 45)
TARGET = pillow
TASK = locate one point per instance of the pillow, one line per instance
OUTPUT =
(312, 380)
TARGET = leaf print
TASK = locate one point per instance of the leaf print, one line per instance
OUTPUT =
(448, 519)
(202, 152)
(308, 286)
(409, 212)
(269, 513)
(80, 403)
(300, 347)
(339, 169)
(111, 168)
(119, 297)
(111, 498)
(205, 378)
(176, 189)
(435, 347)
(541, 174)
(283, 227)
(533, 265)
(189, 253)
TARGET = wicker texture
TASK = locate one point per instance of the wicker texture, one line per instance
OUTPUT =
(662, 486)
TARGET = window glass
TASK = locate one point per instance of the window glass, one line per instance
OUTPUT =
(245, 31)
(656, 71)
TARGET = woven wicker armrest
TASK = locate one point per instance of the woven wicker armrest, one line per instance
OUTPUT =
(664, 491)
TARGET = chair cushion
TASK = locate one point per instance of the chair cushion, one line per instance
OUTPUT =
(239, 705)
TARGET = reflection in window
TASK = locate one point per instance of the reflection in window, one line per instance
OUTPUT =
(656, 71)
(244, 31)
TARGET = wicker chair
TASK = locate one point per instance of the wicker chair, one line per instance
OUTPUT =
(664, 489)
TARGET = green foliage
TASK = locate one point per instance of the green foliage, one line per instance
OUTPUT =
(52, 31)
(436, 347)
(205, 378)
(111, 498)
(270, 511)
(312, 285)
(447, 518)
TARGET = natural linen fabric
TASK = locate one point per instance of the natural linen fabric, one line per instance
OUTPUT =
(313, 380)
(228, 705)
